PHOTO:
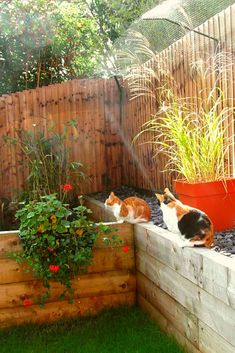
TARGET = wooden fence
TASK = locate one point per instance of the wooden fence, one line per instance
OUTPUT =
(106, 130)
(186, 62)
(94, 104)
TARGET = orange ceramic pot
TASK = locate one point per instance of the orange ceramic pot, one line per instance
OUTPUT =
(216, 199)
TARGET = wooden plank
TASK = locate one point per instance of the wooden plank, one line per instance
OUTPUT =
(11, 149)
(211, 342)
(213, 312)
(12, 272)
(105, 259)
(89, 285)
(123, 230)
(165, 325)
(57, 310)
(164, 246)
(9, 242)
(217, 276)
(184, 321)
(211, 271)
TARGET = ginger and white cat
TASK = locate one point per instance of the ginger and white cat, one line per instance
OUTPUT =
(193, 224)
(132, 209)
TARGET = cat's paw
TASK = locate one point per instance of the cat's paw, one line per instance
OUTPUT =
(186, 244)
(120, 221)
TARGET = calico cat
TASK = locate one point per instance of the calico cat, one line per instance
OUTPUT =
(132, 209)
(193, 224)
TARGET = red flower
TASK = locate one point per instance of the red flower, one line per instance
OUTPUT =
(125, 248)
(50, 249)
(27, 302)
(54, 268)
(67, 187)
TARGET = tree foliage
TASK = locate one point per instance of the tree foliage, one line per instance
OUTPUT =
(45, 41)
(50, 41)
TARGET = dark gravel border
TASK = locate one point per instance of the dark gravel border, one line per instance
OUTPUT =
(224, 241)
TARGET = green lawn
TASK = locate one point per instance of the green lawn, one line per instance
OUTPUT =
(125, 330)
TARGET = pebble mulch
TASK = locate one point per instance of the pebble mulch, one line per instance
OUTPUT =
(224, 241)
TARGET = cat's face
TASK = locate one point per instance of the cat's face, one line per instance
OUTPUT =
(167, 201)
(166, 198)
(192, 223)
(112, 200)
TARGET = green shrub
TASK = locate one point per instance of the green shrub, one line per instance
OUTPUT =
(57, 242)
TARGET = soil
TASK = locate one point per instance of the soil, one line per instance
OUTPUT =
(224, 241)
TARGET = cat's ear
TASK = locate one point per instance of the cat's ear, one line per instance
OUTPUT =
(112, 194)
(160, 198)
(169, 194)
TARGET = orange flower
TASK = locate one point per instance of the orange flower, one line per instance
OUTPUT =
(67, 187)
(27, 302)
(54, 268)
(125, 248)
(50, 249)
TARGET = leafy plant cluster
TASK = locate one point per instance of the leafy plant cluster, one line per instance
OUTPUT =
(50, 41)
(46, 158)
(44, 42)
(57, 242)
(193, 137)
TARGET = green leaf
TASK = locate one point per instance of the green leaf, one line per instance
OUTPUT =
(65, 223)
(61, 229)
(60, 213)
(30, 215)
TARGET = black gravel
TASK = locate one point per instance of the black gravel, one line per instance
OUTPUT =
(224, 241)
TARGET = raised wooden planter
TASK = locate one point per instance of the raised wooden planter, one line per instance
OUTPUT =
(110, 282)
(190, 292)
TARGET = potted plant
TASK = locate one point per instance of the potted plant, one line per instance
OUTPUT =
(193, 136)
(191, 132)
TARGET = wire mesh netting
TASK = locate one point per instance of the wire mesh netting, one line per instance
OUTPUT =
(171, 19)
(157, 29)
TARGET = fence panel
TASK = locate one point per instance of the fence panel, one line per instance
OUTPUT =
(93, 103)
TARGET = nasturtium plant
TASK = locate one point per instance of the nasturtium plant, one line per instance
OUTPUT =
(57, 242)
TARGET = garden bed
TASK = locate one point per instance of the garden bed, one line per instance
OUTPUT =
(109, 282)
(190, 292)
(224, 240)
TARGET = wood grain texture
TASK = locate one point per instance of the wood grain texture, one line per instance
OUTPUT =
(209, 270)
(58, 310)
(109, 281)
(92, 103)
(181, 318)
(207, 308)
(166, 325)
(104, 283)
(105, 259)
(212, 342)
